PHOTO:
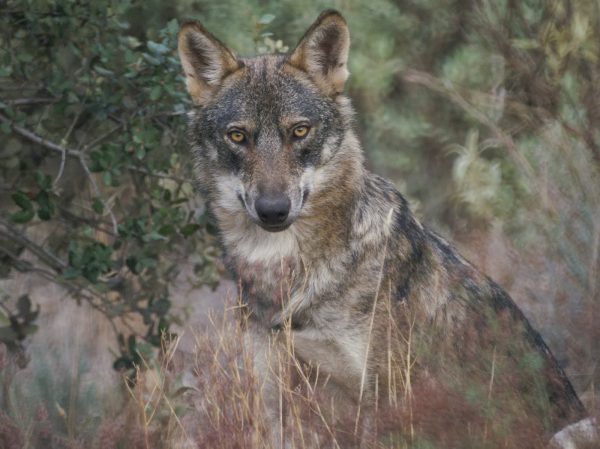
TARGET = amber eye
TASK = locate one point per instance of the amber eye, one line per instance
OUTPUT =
(301, 131)
(237, 136)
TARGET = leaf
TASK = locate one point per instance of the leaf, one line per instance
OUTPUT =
(24, 305)
(266, 19)
(161, 307)
(8, 335)
(23, 216)
(44, 214)
(45, 205)
(5, 71)
(151, 59)
(189, 229)
(42, 180)
(152, 236)
(155, 93)
(22, 200)
(173, 27)
(123, 363)
(157, 48)
(166, 230)
(98, 206)
(104, 72)
(131, 344)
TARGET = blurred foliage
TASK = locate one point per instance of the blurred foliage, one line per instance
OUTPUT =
(484, 112)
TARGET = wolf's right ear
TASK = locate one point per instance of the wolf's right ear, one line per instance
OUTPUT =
(205, 60)
(323, 52)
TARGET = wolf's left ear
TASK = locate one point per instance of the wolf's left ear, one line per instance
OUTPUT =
(206, 61)
(323, 52)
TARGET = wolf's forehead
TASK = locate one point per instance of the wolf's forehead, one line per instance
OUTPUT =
(264, 90)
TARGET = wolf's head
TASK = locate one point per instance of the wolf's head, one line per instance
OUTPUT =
(265, 128)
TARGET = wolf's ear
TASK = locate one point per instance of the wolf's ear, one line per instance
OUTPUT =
(323, 52)
(205, 60)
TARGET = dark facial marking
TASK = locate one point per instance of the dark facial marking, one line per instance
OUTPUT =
(239, 197)
(304, 196)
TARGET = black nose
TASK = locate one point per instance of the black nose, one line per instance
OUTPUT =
(272, 209)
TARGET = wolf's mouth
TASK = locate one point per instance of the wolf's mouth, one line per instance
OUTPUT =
(275, 228)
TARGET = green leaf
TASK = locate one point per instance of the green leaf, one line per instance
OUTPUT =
(44, 214)
(42, 180)
(266, 19)
(152, 236)
(166, 230)
(72, 97)
(161, 307)
(172, 27)
(189, 229)
(98, 206)
(23, 216)
(151, 59)
(22, 200)
(104, 72)
(155, 93)
(5, 71)
(157, 48)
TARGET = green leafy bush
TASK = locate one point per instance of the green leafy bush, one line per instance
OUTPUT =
(96, 193)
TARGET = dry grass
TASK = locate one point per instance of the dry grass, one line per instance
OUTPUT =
(222, 406)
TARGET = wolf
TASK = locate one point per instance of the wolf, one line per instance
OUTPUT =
(332, 253)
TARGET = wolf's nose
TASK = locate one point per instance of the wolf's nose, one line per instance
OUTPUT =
(272, 209)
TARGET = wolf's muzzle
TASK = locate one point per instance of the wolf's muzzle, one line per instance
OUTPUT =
(273, 210)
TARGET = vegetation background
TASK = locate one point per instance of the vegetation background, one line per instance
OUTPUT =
(485, 113)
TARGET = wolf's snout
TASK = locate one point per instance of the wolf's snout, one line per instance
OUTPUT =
(273, 210)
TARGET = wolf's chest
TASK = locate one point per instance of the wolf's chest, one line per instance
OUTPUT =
(266, 286)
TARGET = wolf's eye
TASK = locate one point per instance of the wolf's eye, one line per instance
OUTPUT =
(237, 136)
(301, 131)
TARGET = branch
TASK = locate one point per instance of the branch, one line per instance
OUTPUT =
(88, 173)
(47, 257)
(30, 135)
(30, 101)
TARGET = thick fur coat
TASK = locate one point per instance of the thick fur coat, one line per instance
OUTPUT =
(336, 256)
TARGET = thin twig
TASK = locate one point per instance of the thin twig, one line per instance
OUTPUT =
(100, 138)
(30, 101)
(22, 239)
(96, 189)
(64, 141)
(38, 139)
